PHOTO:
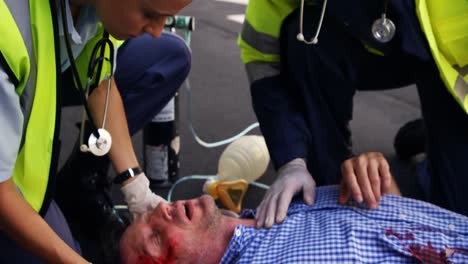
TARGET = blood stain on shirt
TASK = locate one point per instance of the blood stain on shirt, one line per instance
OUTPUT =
(428, 254)
(406, 236)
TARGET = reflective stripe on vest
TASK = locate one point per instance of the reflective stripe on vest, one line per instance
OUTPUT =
(32, 166)
(453, 76)
(260, 70)
(259, 39)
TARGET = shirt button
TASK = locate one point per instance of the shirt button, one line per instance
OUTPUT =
(451, 227)
(238, 233)
(402, 216)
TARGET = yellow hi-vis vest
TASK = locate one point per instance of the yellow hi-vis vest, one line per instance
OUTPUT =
(259, 41)
(35, 156)
(32, 166)
(445, 24)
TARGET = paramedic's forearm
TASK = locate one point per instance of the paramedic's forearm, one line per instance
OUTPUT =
(281, 121)
(138, 195)
(28, 229)
(121, 154)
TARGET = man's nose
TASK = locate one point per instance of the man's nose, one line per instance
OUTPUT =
(165, 209)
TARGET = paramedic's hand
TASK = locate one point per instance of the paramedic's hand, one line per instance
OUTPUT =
(365, 177)
(293, 177)
(139, 196)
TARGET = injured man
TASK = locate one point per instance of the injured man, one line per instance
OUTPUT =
(400, 230)
(335, 229)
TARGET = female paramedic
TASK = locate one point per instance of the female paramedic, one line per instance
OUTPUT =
(306, 59)
(38, 40)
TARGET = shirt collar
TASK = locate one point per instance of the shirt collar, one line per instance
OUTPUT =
(240, 240)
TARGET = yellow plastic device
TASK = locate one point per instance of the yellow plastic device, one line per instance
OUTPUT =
(241, 163)
(230, 193)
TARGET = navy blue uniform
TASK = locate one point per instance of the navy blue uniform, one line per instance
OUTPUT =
(305, 112)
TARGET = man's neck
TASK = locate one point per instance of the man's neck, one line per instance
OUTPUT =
(225, 235)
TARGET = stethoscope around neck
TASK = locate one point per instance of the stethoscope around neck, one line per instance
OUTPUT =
(100, 140)
(383, 29)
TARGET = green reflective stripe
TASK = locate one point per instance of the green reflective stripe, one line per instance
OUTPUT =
(259, 41)
(259, 70)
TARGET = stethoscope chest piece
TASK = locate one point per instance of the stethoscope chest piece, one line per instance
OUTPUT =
(383, 29)
(100, 146)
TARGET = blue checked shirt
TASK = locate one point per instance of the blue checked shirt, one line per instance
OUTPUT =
(401, 230)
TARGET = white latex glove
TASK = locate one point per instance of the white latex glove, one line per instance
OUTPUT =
(139, 196)
(293, 177)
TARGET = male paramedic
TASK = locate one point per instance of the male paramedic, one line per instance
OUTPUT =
(33, 64)
(303, 78)
(400, 230)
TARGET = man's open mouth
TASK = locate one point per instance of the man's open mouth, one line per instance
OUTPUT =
(187, 211)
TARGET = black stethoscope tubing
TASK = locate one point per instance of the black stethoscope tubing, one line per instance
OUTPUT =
(101, 44)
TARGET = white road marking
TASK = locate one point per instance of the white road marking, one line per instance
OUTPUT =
(236, 18)
(241, 2)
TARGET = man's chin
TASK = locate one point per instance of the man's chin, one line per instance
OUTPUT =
(208, 203)
(208, 200)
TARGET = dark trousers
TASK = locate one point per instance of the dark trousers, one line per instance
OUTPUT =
(325, 77)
